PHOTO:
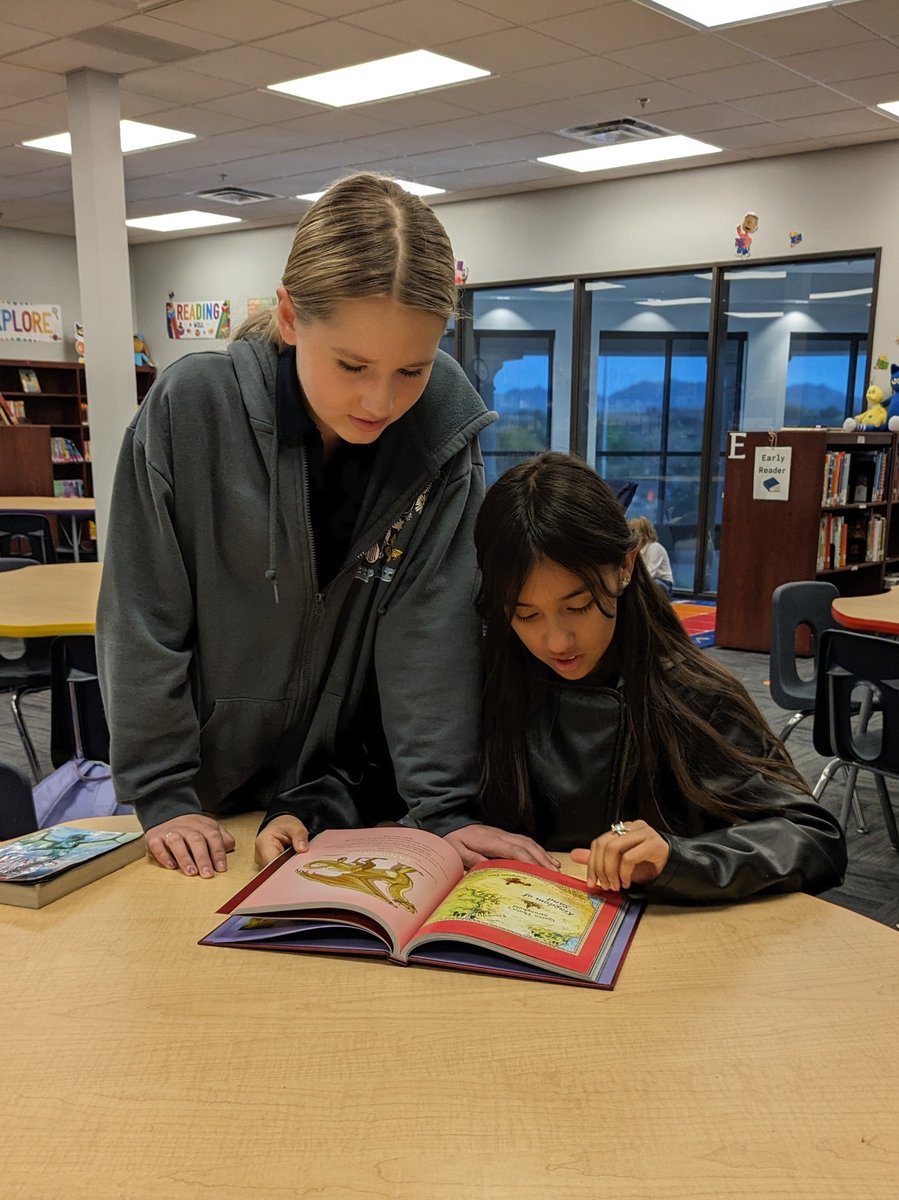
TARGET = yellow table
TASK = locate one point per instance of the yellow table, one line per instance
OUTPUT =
(748, 1052)
(869, 614)
(73, 507)
(50, 600)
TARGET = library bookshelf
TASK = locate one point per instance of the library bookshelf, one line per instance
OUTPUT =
(53, 459)
(839, 523)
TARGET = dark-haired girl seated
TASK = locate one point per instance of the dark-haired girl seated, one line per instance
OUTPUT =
(606, 731)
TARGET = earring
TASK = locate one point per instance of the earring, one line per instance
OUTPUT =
(625, 580)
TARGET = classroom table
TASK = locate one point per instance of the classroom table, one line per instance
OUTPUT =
(73, 507)
(49, 600)
(869, 614)
(748, 1052)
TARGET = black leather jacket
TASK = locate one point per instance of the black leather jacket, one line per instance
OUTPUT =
(577, 750)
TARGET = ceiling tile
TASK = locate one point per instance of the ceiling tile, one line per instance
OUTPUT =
(249, 65)
(28, 84)
(874, 57)
(799, 102)
(880, 16)
(57, 17)
(179, 35)
(877, 89)
(702, 119)
(421, 109)
(819, 29)
(178, 85)
(39, 117)
(426, 23)
(764, 133)
(660, 97)
(512, 50)
(526, 12)
(855, 139)
(263, 108)
(338, 124)
(589, 74)
(332, 44)
(332, 8)
(753, 79)
(202, 121)
(236, 19)
(502, 173)
(613, 27)
(68, 54)
(14, 37)
(561, 114)
(854, 120)
(500, 92)
(696, 52)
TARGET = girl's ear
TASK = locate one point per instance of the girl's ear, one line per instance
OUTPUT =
(286, 317)
(627, 567)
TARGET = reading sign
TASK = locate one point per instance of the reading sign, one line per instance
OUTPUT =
(771, 476)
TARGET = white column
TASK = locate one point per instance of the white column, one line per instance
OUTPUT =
(98, 187)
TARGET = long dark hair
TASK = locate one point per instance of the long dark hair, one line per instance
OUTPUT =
(554, 508)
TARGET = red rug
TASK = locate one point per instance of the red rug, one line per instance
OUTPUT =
(698, 619)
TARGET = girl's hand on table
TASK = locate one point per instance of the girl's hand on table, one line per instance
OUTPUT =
(615, 861)
(195, 844)
(279, 834)
(476, 843)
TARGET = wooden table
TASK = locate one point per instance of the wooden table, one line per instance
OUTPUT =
(748, 1052)
(49, 600)
(870, 614)
(73, 507)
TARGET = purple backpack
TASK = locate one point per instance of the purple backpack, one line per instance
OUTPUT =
(81, 787)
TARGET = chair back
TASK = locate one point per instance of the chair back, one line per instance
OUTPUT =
(804, 603)
(847, 662)
(78, 726)
(624, 490)
(14, 564)
(26, 535)
(17, 816)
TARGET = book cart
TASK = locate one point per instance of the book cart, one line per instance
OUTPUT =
(840, 523)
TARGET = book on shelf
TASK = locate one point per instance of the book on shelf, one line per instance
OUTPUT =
(7, 413)
(42, 866)
(404, 895)
(64, 450)
(68, 487)
(29, 380)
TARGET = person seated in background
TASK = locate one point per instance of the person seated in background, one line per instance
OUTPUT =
(606, 732)
(654, 555)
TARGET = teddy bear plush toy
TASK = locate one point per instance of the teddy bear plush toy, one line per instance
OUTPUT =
(893, 407)
(874, 416)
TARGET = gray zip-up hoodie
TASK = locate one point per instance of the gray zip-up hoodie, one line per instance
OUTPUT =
(213, 679)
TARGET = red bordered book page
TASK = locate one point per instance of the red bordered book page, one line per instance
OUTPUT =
(541, 915)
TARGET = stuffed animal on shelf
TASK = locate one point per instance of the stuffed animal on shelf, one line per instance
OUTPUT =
(893, 406)
(141, 352)
(874, 416)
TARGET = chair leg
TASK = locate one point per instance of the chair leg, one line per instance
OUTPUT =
(830, 769)
(850, 794)
(889, 816)
(791, 725)
(27, 743)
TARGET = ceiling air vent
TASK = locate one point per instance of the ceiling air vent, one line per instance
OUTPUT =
(236, 195)
(614, 133)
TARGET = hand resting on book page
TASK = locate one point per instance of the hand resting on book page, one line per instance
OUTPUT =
(195, 843)
(278, 835)
(615, 861)
(475, 843)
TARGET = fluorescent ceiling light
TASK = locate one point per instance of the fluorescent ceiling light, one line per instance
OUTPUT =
(712, 13)
(133, 136)
(753, 316)
(836, 295)
(630, 154)
(417, 71)
(602, 285)
(554, 287)
(892, 107)
(755, 274)
(672, 303)
(417, 189)
(190, 219)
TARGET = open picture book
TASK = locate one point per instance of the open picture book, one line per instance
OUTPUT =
(403, 894)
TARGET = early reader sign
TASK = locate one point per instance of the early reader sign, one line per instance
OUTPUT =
(771, 478)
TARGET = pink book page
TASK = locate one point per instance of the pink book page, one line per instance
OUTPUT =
(396, 875)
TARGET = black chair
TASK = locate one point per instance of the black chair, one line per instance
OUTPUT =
(794, 606)
(17, 816)
(858, 673)
(24, 668)
(26, 535)
(624, 490)
(78, 726)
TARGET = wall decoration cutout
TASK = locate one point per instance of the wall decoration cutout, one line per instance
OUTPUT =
(191, 319)
(21, 321)
(745, 229)
(795, 237)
